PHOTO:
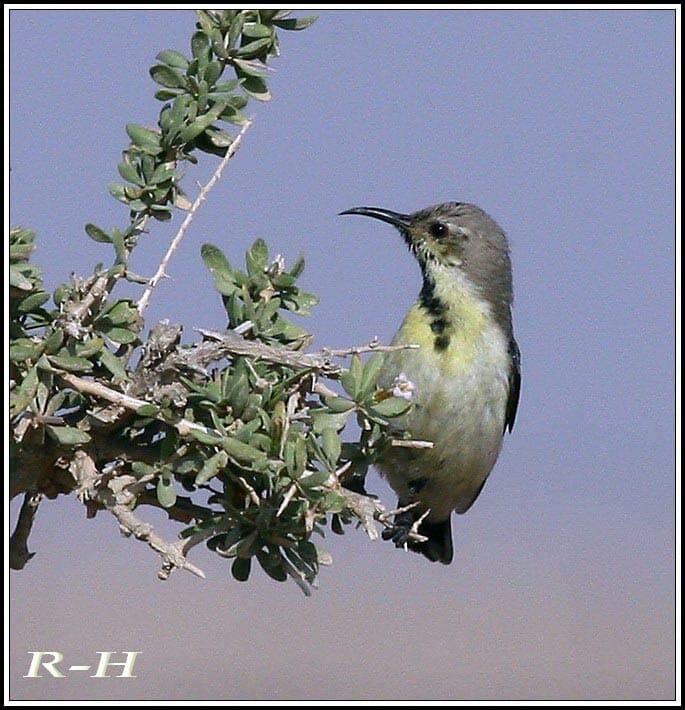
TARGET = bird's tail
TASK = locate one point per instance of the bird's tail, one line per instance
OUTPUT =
(438, 547)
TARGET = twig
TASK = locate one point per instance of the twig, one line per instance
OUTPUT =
(383, 517)
(411, 443)
(116, 496)
(251, 492)
(236, 344)
(75, 313)
(373, 347)
(161, 271)
(183, 426)
(233, 342)
(368, 510)
(413, 533)
(18, 546)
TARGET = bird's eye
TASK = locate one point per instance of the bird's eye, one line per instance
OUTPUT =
(438, 230)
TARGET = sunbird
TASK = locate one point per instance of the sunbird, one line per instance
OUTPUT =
(465, 376)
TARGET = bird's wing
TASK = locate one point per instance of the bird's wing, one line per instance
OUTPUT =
(514, 385)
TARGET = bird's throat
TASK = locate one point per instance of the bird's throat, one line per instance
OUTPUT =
(455, 316)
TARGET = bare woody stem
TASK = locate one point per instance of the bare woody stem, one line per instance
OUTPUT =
(162, 270)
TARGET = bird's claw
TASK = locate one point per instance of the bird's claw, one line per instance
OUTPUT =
(399, 534)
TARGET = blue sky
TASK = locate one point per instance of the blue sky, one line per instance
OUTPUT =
(560, 124)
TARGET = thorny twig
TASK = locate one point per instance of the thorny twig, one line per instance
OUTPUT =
(373, 347)
(117, 495)
(202, 196)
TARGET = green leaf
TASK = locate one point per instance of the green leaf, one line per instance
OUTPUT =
(129, 172)
(219, 138)
(255, 49)
(216, 262)
(117, 190)
(212, 72)
(119, 312)
(225, 287)
(173, 59)
(20, 252)
(24, 349)
(257, 257)
(227, 87)
(71, 363)
(391, 407)
(18, 280)
(118, 242)
(255, 29)
(166, 493)
(198, 126)
(321, 420)
(167, 94)
(68, 435)
(296, 23)
(235, 29)
(140, 468)
(372, 370)
(295, 455)
(339, 404)
(146, 139)
(303, 302)
(121, 335)
(256, 87)
(199, 46)
(240, 569)
(33, 302)
(160, 213)
(61, 294)
(25, 393)
(242, 453)
(113, 364)
(298, 267)
(54, 341)
(351, 379)
(162, 173)
(272, 564)
(147, 410)
(211, 467)
(307, 551)
(89, 347)
(206, 437)
(313, 479)
(97, 234)
(167, 76)
(331, 445)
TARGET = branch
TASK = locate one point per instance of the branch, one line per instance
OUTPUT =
(231, 342)
(411, 443)
(368, 510)
(161, 271)
(18, 547)
(183, 426)
(373, 347)
(74, 314)
(116, 496)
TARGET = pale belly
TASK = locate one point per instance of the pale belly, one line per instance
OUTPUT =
(459, 404)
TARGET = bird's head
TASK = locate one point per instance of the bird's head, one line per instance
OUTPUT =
(454, 236)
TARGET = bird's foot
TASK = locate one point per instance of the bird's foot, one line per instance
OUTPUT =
(404, 531)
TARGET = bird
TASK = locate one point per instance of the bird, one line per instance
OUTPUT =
(465, 374)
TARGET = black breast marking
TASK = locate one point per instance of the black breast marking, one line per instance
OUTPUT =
(437, 311)
(442, 342)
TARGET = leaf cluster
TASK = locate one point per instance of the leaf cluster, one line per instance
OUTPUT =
(243, 448)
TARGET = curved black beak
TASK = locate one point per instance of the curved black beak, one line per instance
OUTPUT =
(401, 221)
